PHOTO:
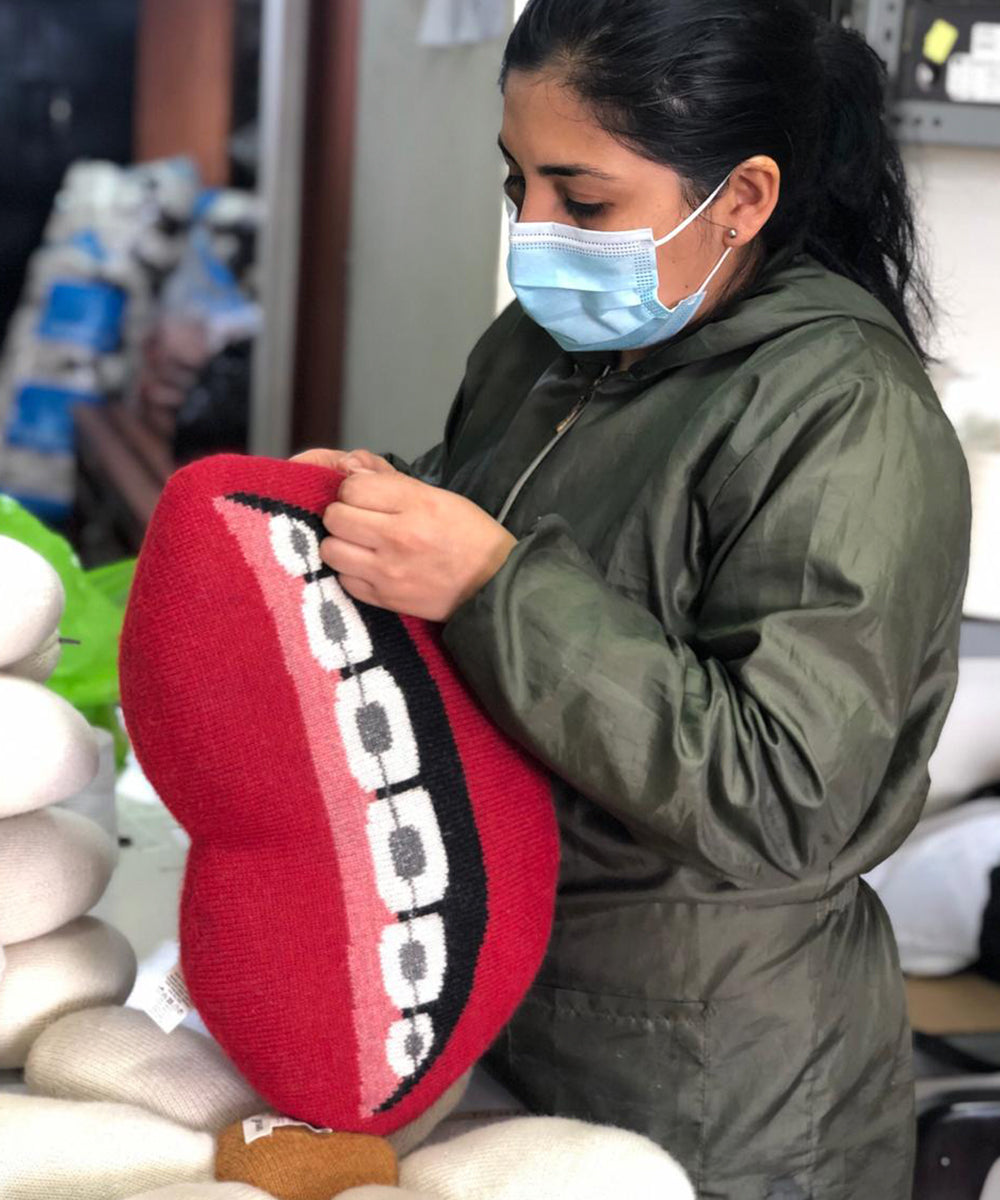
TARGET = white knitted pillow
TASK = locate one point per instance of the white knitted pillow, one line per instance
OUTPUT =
(119, 1054)
(47, 750)
(54, 867)
(31, 601)
(82, 964)
(215, 1191)
(378, 1191)
(65, 1150)
(551, 1157)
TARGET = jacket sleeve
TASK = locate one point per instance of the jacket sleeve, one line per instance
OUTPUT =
(427, 466)
(750, 750)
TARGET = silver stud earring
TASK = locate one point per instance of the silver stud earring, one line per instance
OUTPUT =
(733, 233)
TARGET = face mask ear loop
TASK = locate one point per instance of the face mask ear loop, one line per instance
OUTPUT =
(715, 270)
(693, 216)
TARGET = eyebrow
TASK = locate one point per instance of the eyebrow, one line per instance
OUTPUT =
(564, 170)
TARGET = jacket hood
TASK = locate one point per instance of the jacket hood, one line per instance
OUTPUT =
(797, 294)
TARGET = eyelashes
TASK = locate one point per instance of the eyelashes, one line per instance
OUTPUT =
(575, 208)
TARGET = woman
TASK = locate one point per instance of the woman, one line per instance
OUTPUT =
(697, 531)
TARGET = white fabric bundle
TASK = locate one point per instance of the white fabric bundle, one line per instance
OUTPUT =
(530, 1157)
(64, 1150)
(936, 886)
(82, 964)
(47, 750)
(968, 754)
(31, 602)
(54, 867)
(119, 1054)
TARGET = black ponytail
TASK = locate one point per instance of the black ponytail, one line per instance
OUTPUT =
(702, 85)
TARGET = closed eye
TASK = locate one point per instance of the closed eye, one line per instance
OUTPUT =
(577, 209)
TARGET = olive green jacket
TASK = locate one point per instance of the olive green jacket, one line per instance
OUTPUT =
(730, 628)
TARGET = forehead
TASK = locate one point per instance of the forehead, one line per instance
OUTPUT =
(546, 122)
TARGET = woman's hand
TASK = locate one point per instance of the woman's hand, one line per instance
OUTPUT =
(400, 544)
(344, 460)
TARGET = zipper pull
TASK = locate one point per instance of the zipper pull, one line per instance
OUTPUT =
(573, 413)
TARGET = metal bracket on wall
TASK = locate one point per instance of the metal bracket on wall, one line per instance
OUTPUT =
(883, 23)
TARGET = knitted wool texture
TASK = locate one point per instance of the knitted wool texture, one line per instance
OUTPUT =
(292, 1163)
(371, 880)
(47, 750)
(120, 1055)
(552, 1157)
(31, 605)
(84, 963)
(62, 1150)
(209, 1191)
(54, 867)
(377, 1191)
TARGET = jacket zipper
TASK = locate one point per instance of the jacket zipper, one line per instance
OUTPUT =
(564, 426)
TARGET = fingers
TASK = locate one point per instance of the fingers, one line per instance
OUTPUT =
(379, 491)
(361, 526)
(345, 460)
(367, 461)
(360, 589)
(331, 459)
(346, 558)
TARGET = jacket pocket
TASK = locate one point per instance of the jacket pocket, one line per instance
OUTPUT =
(618, 1060)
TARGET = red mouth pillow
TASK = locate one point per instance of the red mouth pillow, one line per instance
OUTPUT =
(371, 879)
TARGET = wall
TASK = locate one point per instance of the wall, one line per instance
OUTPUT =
(426, 227)
(958, 192)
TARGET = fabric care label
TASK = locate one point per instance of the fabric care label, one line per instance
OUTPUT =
(169, 1003)
(266, 1123)
(985, 41)
(972, 80)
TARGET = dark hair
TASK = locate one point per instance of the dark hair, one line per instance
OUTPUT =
(702, 85)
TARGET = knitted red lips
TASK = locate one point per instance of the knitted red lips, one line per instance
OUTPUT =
(371, 879)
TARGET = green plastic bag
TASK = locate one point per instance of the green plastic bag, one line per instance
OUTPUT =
(87, 674)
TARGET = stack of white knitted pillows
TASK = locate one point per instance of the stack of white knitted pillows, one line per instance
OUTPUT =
(120, 1109)
(54, 864)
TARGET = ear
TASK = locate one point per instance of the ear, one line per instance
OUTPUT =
(750, 199)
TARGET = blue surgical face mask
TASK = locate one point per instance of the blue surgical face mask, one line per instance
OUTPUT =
(595, 290)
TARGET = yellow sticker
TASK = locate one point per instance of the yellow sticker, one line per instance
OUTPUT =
(940, 41)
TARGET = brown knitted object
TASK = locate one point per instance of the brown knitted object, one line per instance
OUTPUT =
(297, 1163)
